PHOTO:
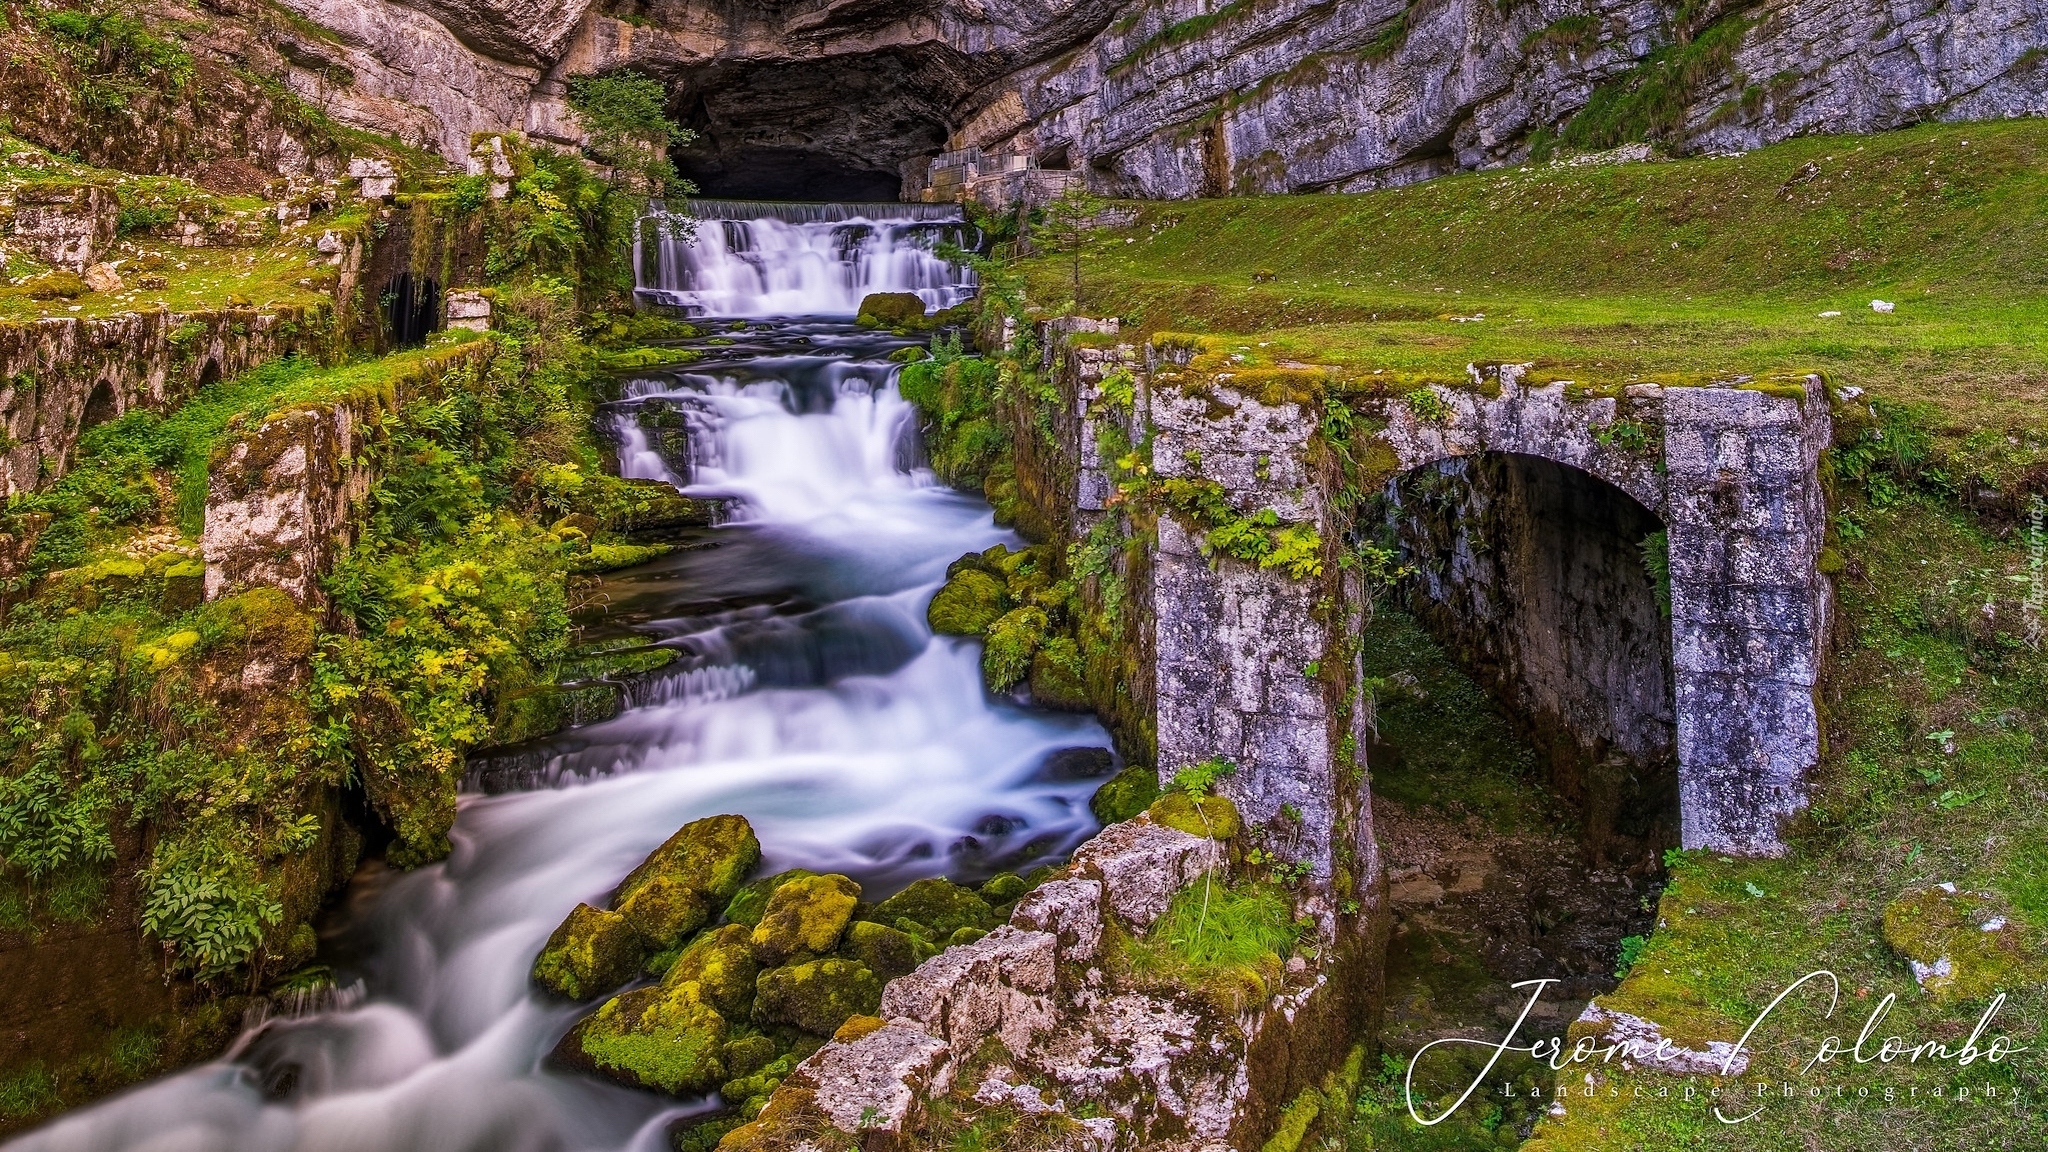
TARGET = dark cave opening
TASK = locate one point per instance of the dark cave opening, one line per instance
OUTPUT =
(751, 173)
(412, 309)
(1538, 579)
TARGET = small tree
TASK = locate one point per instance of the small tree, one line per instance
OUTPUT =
(1064, 225)
(628, 134)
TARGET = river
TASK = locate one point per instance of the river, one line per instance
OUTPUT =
(809, 695)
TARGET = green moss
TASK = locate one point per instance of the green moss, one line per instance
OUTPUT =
(751, 900)
(1058, 675)
(1003, 888)
(804, 915)
(1126, 794)
(592, 951)
(940, 905)
(970, 601)
(721, 963)
(710, 857)
(817, 996)
(1944, 932)
(1212, 816)
(887, 952)
(894, 310)
(663, 911)
(659, 1038)
(746, 1055)
(1012, 641)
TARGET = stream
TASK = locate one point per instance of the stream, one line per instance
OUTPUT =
(808, 694)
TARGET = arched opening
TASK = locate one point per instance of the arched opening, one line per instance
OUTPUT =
(1523, 768)
(101, 406)
(209, 373)
(1549, 586)
(412, 309)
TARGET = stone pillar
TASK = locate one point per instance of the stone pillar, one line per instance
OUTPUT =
(67, 225)
(467, 308)
(1750, 608)
(1235, 641)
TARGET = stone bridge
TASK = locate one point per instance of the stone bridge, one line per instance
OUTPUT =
(1249, 661)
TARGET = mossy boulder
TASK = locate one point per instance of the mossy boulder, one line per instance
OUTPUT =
(1959, 944)
(662, 1038)
(894, 310)
(751, 900)
(888, 952)
(964, 936)
(592, 951)
(1212, 816)
(751, 1091)
(1003, 888)
(711, 856)
(939, 905)
(1012, 641)
(970, 602)
(721, 963)
(971, 562)
(746, 1055)
(1126, 794)
(817, 996)
(804, 915)
(1056, 676)
(663, 911)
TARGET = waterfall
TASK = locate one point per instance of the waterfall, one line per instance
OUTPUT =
(759, 258)
(809, 694)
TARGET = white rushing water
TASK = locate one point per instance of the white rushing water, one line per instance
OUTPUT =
(811, 697)
(767, 259)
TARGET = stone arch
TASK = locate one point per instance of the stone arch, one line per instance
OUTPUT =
(1732, 468)
(412, 308)
(209, 373)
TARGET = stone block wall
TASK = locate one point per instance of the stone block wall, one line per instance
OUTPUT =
(61, 376)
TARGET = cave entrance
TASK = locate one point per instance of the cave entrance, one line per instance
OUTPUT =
(412, 309)
(1550, 588)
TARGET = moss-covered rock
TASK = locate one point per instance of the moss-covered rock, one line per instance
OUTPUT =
(817, 996)
(592, 951)
(1003, 888)
(711, 856)
(971, 562)
(888, 952)
(804, 915)
(1959, 943)
(751, 900)
(1211, 816)
(746, 1090)
(1126, 794)
(662, 1038)
(746, 1055)
(938, 905)
(662, 911)
(964, 936)
(970, 602)
(1056, 676)
(721, 963)
(1012, 641)
(857, 1027)
(900, 311)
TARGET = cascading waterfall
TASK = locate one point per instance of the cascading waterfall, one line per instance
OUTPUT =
(809, 695)
(767, 259)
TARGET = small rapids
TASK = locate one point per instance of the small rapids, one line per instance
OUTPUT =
(808, 694)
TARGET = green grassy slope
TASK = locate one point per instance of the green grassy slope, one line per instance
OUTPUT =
(1708, 266)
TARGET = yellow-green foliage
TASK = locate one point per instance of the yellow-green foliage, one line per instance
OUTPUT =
(1228, 943)
(1967, 947)
(956, 395)
(751, 900)
(1006, 658)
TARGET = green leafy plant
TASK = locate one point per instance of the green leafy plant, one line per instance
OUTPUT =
(1631, 950)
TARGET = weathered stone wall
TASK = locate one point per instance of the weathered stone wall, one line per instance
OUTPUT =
(60, 376)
